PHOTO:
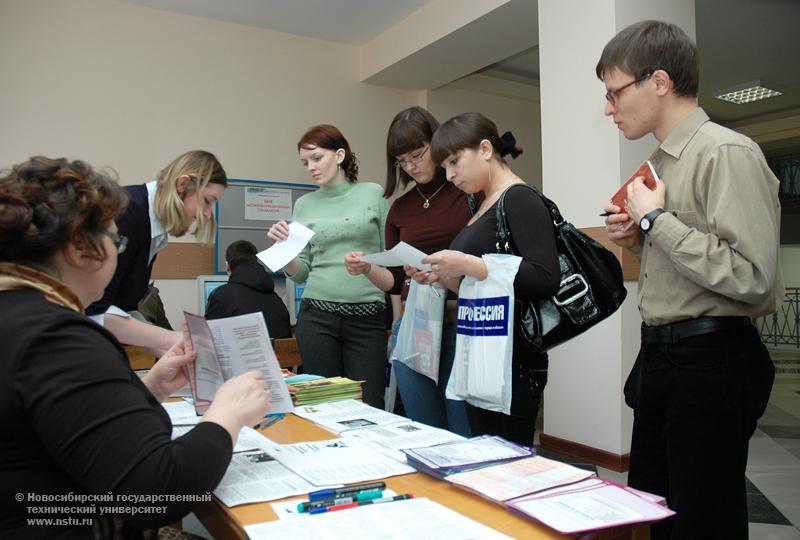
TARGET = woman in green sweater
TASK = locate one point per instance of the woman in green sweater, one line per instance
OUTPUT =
(341, 328)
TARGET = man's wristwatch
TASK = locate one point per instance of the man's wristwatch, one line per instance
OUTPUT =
(646, 224)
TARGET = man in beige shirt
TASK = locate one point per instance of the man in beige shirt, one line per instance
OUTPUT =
(708, 241)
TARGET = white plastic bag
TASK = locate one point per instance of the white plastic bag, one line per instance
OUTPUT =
(485, 337)
(419, 339)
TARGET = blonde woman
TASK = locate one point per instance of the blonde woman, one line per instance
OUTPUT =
(183, 193)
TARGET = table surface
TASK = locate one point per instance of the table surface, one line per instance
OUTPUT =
(224, 523)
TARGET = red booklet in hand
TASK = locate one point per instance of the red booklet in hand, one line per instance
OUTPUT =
(620, 198)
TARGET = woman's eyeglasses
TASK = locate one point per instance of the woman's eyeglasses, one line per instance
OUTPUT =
(120, 242)
(402, 163)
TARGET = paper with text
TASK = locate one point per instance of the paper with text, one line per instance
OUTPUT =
(288, 509)
(256, 477)
(590, 506)
(399, 255)
(230, 347)
(337, 461)
(281, 253)
(480, 449)
(339, 416)
(520, 477)
(411, 519)
(248, 439)
(181, 413)
(393, 438)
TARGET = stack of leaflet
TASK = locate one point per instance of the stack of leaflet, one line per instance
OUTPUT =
(322, 390)
(511, 479)
(565, 498)
(591, 505)
(454, 457)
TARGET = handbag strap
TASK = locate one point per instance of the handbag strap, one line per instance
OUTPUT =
(505, 243)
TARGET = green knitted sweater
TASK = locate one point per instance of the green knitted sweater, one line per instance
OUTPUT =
(346, 217)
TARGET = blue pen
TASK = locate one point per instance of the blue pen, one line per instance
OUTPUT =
(344, 491)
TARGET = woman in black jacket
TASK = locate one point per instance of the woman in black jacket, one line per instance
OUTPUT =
(84, 439)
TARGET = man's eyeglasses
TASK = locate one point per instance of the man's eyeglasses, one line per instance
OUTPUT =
(612, 95)
(120, 242)
(402, 163)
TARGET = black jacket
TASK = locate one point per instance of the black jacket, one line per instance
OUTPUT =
(76, 420)
(132, 276)
(250, 289)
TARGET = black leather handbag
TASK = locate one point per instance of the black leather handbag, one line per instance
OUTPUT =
(591, 288)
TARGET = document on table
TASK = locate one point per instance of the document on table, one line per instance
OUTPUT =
(410, 519)
(590, 505)
(393, 438)
(181, 413)
(256, 477)
(517, 478)
(480, 449)
(399, 255)
(288, 509)
(248, 439)
(347, 414)
(281, 253)
(337, 461)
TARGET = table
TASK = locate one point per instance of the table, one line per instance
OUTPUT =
(226, 523)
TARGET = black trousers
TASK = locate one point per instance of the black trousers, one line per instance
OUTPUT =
(529, 373)
(335, 346)
(696, 403)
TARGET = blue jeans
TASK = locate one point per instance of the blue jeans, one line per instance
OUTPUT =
(424, 399)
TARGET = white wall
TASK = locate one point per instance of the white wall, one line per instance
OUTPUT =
(584, 160)
(131, 87)
(519, 116)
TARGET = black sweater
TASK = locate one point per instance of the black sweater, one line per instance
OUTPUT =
(534, 238)
(132, 276)
(76, 419)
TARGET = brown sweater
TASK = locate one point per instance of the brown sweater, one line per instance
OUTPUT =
(429, 230)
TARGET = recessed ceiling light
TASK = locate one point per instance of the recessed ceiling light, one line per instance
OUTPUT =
(747, 92)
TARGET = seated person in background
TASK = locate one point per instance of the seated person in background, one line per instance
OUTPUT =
(77, 421)
(249, 289)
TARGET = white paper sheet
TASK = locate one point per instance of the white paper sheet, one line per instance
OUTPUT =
(248, 439)
(410, 519)
(393, 438)
(597, 507)
(281, 253)
(257, 477)
(181, 413)
(337, 461)
(520, 477)
(478, 450)
(206, 371)
(340, 416)
(288, 509)
(399, 255)
(238, 345)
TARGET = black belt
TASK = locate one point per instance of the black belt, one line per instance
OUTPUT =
(673, 333)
